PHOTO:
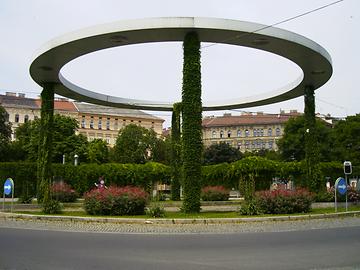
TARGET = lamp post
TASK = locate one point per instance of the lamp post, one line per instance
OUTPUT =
(76, 159)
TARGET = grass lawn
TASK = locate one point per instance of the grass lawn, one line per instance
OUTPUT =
(202, 215)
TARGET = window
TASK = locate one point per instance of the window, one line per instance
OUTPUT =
(247, 144)
(229, 133)
(152, 124)
(100, 123)
(116, 124)
(83, 122)
(239, 133)
(247, 133)
(26, 118)
(221, 134)
(270, 132)
(92, 122)
(278, 132)
(16, 118)
(261, 132)
(108, 124)
(239, 145)
(255, 132)
(107, 139)
(6, 117)
(213, 134)
(270, 144)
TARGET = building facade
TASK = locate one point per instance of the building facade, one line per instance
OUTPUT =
(247, 132)
(95, 122)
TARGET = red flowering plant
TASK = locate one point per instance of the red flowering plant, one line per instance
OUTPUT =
(215, 193)
(116, 201)
(284, 201)
(63, 192)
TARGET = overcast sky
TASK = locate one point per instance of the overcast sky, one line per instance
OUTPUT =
(154, 71)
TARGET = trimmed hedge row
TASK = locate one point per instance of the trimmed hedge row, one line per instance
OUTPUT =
(229, 175)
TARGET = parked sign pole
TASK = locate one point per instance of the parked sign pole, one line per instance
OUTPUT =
(8, 189)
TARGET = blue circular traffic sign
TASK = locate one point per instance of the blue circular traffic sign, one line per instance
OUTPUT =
(341, 185)
(8, 186)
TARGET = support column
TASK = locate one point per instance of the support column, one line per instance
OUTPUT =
(192, 146)
(313, 175)
(176, 163)
(44, 162)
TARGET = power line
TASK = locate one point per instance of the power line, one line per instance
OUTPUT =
(275, 24)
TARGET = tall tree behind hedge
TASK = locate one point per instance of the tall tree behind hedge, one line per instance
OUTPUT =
(44, 170)
(192, 147)
(312, 159)
(176, 163)
(5, 133)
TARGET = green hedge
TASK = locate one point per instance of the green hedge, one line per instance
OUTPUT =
(229, 175)
(83, 177)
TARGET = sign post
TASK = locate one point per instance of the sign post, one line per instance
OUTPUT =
(341, 187)
(347, 171)
(8, 189)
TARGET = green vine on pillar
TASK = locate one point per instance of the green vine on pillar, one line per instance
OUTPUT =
(44, 171)
(176, 163)
(312, 158)
(192, 146)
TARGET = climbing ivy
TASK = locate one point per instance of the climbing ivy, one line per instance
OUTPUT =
(44, 170)
(192, 146)
(176, 152)
(313, 174)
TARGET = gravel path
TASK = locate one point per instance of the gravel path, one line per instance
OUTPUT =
(244, 227)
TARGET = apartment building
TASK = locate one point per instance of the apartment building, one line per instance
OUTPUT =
(95, 122)
(247, 132)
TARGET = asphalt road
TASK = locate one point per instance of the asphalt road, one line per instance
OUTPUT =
(337, 248)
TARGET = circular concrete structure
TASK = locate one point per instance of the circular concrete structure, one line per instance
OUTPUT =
(313, 60)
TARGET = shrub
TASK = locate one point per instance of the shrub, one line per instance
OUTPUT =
(353, 195)
(63, 192)
(52, 207)
(285, 201)
(214, 193)
(250, 208)
(325, 196)
(116, 201)
(156, 211)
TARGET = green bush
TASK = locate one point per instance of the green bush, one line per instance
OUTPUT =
(250, 208)
(63, 192)
(116, 201)
(215, 193)
(284, 201)
(156, 211)
(52, 207)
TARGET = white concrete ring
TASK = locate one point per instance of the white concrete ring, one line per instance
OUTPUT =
(313, 60)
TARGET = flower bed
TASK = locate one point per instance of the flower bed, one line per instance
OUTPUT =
(215, 193)
(284, 201)
(63, 192)
(116, 201)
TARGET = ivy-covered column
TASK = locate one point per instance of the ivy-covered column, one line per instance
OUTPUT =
(313, 174)
(176, 165)
(192, 147)
(44, 172)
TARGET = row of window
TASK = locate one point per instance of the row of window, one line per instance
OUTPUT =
(107, 123)
(256, 144)
(256, 133)
(26, 118)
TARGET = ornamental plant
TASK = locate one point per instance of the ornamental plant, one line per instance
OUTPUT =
(214, 193)
(284, 201)
(116, 201)
(63, 192)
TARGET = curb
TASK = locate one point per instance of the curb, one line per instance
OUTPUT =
(29, 217)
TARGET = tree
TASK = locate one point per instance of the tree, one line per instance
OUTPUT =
(65, 141)
(97, 151)
(134, 144)
(346, 138)
(219, 153)
(5, 134)
(292, 144)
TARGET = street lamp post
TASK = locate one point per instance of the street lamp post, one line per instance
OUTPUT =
(76, 159)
